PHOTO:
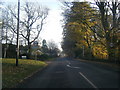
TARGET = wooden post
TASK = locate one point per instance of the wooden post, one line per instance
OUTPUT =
(17, 47)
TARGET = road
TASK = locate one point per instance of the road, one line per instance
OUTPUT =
(69, 73)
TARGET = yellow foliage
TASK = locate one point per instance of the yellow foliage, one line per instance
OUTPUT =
(73, 23)
(100, 51)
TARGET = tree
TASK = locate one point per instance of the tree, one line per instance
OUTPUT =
(50, 48)
(92, 27)
(9, 22)
(110, 23)
(53, 48)
(4, 31)
(44, 47)
(76, 33)
(31, 22)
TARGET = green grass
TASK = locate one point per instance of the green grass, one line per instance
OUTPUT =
(12, 75)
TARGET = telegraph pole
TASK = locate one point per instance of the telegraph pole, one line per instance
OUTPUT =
(17, 47)
(83, 51)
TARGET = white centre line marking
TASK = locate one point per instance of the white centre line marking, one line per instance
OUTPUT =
(87, 80)
(72, 67)
(68, 62)
(68, 65)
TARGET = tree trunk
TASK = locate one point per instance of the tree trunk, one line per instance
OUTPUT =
(111, 52)
(118, 54)
(29, 50)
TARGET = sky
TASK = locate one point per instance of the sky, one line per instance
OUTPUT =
(52, 29)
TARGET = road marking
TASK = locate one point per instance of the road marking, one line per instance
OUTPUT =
(68, 66)
(72, 67)
(68, 62)
(76, 67)
(87, 80)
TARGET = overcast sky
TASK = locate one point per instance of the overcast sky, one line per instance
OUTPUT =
(52, 30)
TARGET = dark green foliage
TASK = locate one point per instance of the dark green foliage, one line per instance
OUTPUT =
(43, 57)
(11, 50)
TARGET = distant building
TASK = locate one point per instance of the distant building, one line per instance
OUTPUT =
(35, 48)
(35, 45)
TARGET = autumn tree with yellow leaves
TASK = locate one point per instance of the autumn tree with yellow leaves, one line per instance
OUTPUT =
(91, 31)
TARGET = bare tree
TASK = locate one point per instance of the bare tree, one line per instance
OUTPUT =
(53, 48)
(9, 22)
(4, 30)
(52, 45)
(31, 22)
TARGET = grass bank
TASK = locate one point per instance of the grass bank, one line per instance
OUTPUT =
(12, 75)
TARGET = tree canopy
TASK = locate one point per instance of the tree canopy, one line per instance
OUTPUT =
(91, 31)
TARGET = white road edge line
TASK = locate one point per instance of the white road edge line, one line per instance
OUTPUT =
(87, 80)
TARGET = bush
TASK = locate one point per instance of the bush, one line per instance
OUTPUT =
(43, 57)
(11, 50)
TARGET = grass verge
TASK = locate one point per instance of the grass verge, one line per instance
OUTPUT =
(12, 75)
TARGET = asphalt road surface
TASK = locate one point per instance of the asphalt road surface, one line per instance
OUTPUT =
(69, 73)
